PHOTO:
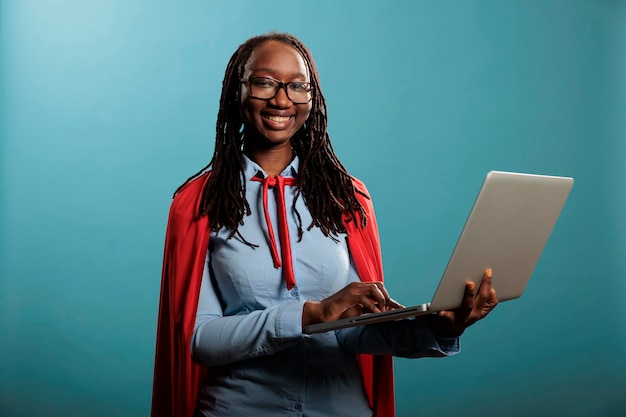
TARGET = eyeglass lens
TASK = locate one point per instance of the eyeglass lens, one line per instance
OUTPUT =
(266, 88)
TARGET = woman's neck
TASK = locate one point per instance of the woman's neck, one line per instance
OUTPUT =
(273, 160)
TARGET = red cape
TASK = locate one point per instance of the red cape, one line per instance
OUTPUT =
(176, 377)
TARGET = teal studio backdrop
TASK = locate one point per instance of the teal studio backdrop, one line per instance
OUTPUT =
(107, 106)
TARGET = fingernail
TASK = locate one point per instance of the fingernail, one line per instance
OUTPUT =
(489, 273)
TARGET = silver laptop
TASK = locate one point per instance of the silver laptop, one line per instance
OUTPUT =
(507, 229)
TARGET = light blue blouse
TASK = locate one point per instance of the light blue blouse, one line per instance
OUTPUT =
(249, 327)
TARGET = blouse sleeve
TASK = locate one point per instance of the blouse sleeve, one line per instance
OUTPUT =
(409, 338)
(219, 340)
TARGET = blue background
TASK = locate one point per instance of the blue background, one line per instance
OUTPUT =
(107, 106)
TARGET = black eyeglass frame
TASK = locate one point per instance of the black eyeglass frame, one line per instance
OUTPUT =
(280, 85)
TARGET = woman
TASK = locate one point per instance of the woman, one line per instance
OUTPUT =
(235, 298)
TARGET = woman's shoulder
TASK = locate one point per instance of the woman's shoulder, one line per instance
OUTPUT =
(192, 186)
(359, 187)
(187, 198)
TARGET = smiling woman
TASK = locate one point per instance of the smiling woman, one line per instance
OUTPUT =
(271, 116)
(105, 105)
(235, 300)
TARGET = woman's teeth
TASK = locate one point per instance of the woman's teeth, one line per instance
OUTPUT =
(278, 119)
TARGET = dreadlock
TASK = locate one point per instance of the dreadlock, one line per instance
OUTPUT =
(323, 181)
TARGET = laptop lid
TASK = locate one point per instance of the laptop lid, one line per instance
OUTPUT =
(506, 230)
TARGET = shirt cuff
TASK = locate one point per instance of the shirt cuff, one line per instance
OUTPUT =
(448, 345)
(289, 323)
(442, 344)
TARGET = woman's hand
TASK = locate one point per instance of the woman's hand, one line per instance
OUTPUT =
(475, 307)
(352, 300)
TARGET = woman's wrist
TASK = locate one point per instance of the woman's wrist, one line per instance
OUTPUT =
(311, 313)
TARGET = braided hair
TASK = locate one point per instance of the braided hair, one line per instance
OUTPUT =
(323, 181)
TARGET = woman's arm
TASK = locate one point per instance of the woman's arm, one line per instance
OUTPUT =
(410, 338)
(220, 340)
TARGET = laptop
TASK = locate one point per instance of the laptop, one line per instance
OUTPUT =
(507, 229)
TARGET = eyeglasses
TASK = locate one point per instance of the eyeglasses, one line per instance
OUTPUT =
(265, 88)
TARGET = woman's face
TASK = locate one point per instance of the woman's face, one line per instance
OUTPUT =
(270, 123)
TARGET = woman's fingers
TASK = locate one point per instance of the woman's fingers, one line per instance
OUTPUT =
(379, 294)
(356, 298)
(485, 286)
(469, 297)
(486, 299)
(355, 310)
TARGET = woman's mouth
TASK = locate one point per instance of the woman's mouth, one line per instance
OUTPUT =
(278, 119)
(274, 122)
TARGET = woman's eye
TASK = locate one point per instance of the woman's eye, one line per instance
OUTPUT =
(263, 83)
(297, 86)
